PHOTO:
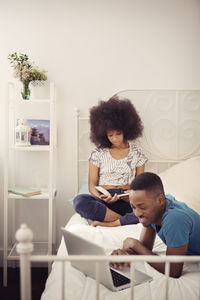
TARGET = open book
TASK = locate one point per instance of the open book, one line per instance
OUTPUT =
(106, 193)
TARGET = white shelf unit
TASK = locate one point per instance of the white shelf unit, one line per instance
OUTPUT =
(36, 109)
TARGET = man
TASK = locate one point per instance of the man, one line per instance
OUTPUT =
(176, 224)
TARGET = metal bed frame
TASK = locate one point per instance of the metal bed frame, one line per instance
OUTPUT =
(170, 117)
(24, 238)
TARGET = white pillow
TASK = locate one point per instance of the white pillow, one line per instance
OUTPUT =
(83, 189)
(183, 182)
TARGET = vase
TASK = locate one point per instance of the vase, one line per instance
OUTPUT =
(26, 91)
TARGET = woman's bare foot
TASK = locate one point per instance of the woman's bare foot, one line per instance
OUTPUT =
(106, 224)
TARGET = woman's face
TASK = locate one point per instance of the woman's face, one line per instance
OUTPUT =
(115, 137)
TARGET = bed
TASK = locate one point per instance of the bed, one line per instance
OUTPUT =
(171, 141)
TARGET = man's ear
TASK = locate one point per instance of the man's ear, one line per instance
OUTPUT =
(161, 199)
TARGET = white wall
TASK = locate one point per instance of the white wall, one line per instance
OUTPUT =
(93, 49)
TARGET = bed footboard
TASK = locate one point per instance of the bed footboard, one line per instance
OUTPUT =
(24, 238)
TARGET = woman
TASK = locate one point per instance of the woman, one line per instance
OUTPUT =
(113, 164)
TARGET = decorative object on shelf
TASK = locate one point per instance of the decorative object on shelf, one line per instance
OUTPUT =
(26, 91)
(22, 134)
(37, 83)
(26, 72)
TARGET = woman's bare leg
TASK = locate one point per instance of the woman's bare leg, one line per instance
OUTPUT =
(111, 215)
(106, 224)
(111, 219)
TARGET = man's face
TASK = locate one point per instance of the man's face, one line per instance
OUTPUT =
(147, 207)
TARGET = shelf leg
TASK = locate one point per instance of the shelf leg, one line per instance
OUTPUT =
(5, 272)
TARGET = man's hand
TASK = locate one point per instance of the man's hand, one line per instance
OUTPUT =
(121, 265)
(130, 243)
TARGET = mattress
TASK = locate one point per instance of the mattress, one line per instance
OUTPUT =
(78, 286)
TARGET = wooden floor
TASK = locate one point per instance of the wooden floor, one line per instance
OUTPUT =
(12, 291)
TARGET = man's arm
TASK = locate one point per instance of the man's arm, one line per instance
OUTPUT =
(176, 268)
(145, 245)
(132, 246)
(147, 237)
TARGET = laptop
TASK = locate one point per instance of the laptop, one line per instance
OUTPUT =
(113, 279)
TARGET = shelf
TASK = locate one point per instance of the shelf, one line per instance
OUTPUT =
(31, 148)
(40, 248)
(39, 100)
(40, 160)
(43, 195)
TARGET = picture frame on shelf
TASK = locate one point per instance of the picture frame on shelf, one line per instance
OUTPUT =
(39, 131)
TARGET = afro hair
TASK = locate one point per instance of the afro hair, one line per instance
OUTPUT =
(114, 114)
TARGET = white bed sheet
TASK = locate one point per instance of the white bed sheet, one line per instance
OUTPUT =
(81, 287)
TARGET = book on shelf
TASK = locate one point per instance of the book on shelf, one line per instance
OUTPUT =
(25, 191)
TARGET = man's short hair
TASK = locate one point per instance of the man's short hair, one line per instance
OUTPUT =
(149, 182)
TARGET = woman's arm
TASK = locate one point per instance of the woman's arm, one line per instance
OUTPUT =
(139, 170)
(93, 179)
(92, 182)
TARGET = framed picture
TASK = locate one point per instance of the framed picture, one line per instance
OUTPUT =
(40, 129)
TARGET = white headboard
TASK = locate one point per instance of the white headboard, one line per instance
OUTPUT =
(171, 120)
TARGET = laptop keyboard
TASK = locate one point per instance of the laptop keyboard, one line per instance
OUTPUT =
(119, 279)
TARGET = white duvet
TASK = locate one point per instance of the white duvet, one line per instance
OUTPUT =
(80, 287)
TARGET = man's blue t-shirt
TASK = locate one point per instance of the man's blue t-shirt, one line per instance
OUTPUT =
(180, 226)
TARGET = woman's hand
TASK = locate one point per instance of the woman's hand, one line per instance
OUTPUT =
(105, 198)
(126, 197)
(109, 199)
